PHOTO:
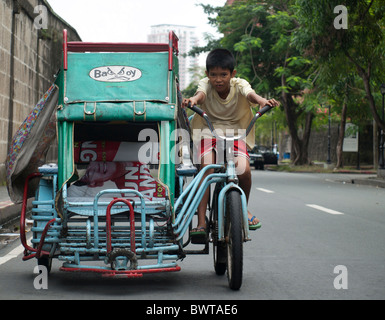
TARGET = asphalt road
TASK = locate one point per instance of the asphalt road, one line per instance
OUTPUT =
(321, 238)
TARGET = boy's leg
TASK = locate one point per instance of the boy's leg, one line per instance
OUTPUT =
(207, 159)
(244, 176)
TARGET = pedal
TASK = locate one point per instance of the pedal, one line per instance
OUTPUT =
(200, 239)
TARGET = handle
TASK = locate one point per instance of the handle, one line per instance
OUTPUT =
(211, 127)
(264, 109)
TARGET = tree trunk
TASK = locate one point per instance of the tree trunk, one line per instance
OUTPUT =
(299, 147)
(365, 76)
(304, 159)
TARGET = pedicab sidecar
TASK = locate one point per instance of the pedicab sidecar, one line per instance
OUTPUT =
(108, 204)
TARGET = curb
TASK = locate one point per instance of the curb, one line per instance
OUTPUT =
(10, 211)
(379, 183)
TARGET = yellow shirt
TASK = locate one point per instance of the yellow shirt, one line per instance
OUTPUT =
(234, 112)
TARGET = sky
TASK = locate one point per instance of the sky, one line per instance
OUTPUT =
(130, 20)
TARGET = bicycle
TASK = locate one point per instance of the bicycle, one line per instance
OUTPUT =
(228, 231)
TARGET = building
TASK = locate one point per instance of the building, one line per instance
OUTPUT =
(30, 55)
(187, 40)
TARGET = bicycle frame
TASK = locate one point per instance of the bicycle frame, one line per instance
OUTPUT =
(194, 193)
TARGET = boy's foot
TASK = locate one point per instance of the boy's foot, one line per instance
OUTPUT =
(198, 231)
(254, 223)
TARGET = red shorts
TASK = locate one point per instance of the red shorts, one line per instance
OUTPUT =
(209, 145)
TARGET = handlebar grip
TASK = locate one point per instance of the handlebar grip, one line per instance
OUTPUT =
(196, 109)
(264, 109)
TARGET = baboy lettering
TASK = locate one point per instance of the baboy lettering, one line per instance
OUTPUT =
(115, 74)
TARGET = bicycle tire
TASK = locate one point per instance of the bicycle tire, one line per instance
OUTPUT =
(234, 239)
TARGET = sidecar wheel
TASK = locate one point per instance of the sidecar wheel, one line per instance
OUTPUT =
(46, 262)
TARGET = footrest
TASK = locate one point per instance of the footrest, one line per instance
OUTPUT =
(125, 273)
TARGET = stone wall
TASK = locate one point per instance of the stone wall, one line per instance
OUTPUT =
(30, 56)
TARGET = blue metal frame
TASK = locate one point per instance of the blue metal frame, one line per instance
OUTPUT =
(85, 238)
(83, 243)
(194, 193)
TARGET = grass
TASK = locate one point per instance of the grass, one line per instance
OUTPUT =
(319, 168)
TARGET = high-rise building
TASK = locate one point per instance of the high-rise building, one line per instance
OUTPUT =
(187, 40)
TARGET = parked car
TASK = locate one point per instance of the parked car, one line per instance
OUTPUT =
(269, 156)
(256, 159)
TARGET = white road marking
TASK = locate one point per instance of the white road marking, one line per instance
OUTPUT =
(317, 207)
(265, 190)
(12, 254)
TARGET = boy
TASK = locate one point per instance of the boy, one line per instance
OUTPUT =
(227, 101)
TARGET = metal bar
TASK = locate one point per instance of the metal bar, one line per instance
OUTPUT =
(188, 215)
(172, 45)
(132, 223)
(23, 212)
(78, 46)
(128, 273)
(65, 50)
(193, 185)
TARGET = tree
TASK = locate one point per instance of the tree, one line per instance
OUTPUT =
(360, 41)
(260, 35)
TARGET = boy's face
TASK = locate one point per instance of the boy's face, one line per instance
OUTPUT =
(220, 79)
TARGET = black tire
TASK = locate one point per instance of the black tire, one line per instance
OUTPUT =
(220, 257)
(234, 237)
(219, 247)
(46, 262)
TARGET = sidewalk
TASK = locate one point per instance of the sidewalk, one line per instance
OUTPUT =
(7, 207)
(9, 211)
(8, 218)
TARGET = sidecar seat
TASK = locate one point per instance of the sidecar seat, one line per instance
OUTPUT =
(112, 165)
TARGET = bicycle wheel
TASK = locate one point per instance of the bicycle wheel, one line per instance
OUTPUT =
(234, 239)
(219, 247)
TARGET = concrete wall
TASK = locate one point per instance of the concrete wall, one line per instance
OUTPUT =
(318, 146)
(30, 56)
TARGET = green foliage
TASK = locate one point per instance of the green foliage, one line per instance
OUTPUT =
(292, 48)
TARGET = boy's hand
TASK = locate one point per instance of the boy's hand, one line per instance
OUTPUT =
(185, 102)
(271, 102)
(199, 98)
(257, 99)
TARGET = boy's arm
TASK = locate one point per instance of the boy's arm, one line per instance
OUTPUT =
(198, 98)
(256, 99)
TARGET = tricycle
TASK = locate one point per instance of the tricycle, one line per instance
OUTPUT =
(123, 194)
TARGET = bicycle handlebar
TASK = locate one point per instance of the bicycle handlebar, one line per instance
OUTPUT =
(203, 114)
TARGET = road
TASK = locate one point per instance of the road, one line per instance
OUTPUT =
(321, 238)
